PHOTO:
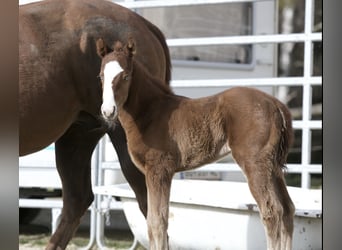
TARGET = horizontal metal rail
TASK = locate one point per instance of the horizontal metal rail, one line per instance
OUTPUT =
(177, 3)
(312, 124)
(260, 82)
(41, 203)
(250, 39)
(291, 168)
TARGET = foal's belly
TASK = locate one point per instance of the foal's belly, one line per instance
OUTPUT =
(203, 157)
(223, 152)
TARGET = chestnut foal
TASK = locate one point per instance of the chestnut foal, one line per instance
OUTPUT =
(167, 133)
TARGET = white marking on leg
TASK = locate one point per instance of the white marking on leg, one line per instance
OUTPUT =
(111, 70)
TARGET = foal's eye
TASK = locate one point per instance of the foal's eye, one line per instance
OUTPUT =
(101, 77)
(125, 77)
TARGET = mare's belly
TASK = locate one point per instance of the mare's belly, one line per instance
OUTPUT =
(41, 123)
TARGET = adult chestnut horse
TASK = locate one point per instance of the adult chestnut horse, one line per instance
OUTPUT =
(180, 134)
(60, 92)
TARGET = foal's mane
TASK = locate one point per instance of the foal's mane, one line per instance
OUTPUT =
(141, 72)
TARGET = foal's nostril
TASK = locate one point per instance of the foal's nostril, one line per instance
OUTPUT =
(113, 113)
(108, 113)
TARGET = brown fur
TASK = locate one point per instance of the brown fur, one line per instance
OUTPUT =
(167, 133)
(60, 92)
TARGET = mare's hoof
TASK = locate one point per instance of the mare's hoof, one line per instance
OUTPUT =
(52, 246)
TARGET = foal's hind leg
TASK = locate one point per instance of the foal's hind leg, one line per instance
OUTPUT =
(267, 185)
(73, 158)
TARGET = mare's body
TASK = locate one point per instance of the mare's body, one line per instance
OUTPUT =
(60, 92)
(167, 133)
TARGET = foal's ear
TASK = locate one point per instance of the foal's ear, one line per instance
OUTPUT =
(131, 46)
(101, 48)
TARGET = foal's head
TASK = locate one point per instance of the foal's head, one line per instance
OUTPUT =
(116, 71)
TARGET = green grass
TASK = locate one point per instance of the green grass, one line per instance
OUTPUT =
(37, 239)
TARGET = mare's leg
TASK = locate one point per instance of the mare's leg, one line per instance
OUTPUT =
(158, 185)
(268, 187)
(135, 178)
(73, 159)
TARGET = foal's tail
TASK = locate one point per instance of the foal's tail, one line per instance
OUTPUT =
(284, 125)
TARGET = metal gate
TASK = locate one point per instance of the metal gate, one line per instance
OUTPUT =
(306, 124)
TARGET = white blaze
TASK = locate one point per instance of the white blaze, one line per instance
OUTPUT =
(111, 70)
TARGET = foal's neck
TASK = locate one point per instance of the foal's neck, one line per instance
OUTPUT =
(145, 92)
(143, 80)
(147, 97)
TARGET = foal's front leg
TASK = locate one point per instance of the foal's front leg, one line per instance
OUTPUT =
(133, 175)
(158, 189)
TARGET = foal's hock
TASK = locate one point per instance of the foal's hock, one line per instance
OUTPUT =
(167, 133)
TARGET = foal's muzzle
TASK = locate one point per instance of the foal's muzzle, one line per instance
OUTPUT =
(108, 113)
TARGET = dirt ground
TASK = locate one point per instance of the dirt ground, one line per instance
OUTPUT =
(35, 235)
(39, 241)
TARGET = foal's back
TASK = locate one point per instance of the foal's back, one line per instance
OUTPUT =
(239, 120)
